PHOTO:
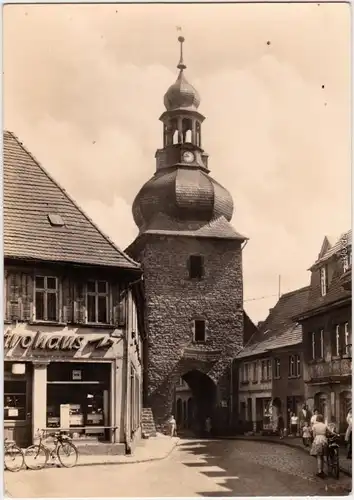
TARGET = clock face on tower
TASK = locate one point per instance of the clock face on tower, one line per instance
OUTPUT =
(188, 157)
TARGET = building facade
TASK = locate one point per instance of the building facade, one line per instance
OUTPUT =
(191, 257)
(74, 331)
(327, 332)
(270, 368)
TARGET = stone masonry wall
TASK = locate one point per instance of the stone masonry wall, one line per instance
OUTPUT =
(173, 300)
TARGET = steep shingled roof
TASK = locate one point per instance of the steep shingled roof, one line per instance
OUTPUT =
(31, 198)
(279, 329)
(344, 241)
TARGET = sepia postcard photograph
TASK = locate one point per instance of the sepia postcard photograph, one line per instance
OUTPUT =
(177, 281)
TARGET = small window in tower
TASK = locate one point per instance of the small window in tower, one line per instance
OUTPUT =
(196, 266)
(199, 330)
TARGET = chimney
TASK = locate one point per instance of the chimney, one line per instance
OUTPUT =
(271, 310)
(260, 324)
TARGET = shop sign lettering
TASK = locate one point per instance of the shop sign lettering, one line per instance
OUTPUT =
(53, 341)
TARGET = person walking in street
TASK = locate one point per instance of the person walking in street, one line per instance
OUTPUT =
(293, 424)
(319, 446)
(208, 426)
(281, 426)
(348, 434)
(172, 426)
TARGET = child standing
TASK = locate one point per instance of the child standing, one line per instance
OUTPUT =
(306, 435)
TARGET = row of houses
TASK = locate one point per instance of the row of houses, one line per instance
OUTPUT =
(73, 315)
(301, 353)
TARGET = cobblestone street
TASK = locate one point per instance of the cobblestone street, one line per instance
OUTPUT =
(195, 468)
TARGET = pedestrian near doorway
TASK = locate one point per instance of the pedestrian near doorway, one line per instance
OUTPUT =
(281, 426)
(314, 417)
(208, 426)
(172, 426)
(293, 424)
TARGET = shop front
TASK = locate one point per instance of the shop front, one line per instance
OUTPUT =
(69, 380)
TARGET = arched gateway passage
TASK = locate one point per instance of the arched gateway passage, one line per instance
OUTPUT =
(198, 391)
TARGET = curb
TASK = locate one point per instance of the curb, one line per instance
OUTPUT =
(137, 461)
(282, 443)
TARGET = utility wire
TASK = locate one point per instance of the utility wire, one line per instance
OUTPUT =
(261, 298)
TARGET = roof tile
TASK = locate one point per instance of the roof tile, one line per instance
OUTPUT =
(30, 195)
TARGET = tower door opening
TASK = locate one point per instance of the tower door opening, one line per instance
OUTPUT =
(195, 402)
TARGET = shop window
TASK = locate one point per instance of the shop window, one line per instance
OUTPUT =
(276, 368)
(14, 400)
(97, 302)
(196, 266)
(199, 330)
(46, 298)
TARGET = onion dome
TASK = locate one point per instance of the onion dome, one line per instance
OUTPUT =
(181, 95)
(182, 194)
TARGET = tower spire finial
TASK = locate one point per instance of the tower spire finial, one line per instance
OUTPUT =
(181, 64)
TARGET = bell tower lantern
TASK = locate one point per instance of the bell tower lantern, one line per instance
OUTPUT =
(182, 124)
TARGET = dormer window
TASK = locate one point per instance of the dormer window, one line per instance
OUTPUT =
(347, 260)
(324, 280)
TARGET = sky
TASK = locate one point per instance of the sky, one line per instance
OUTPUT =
(84, 87)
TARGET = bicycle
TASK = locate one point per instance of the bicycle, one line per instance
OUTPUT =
(333, 456)
(13, 456)
(37, 455)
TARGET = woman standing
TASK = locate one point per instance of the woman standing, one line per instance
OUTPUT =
(320, 444)
(348, 434)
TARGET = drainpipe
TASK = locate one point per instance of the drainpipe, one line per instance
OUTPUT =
(127, 438)
(231, 392)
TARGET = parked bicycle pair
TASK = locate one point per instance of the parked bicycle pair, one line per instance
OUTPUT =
(36, 457)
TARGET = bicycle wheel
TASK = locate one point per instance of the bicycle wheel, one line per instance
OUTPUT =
(67, 454)
(13, 458)
(36, 457)
(335, 465)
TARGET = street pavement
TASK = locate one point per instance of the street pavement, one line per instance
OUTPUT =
(195, 468)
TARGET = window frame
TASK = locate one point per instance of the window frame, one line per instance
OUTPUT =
(291, 368)
(45, 290)
(321, 344)
(337, 334)
(255, 372)
(313, 345)
(201, 320)
(276, 374)
(347, 338)
(245, 372)
(324, 280)
(297, 365)
(96, 294)
(198, 275)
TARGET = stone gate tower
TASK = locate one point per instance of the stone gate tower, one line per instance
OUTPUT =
(192, 263)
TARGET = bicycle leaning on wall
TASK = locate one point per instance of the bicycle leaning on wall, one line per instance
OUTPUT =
(37, 455)
(13, 456)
